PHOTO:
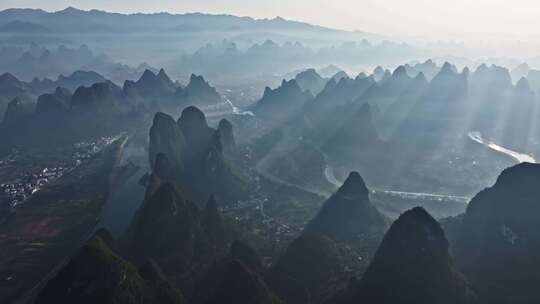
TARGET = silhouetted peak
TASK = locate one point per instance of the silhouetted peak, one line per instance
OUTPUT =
(95, 274)
(267, 91)
(424, 224)
(482, 68)
(498, 236)
(61, 91)
(413, 265)
(161, 119)
(225, 125)
(353, 186)
(70, 10)
(56, 102)
(421, 77)
(309, 73)
(147, 75)
(8, 78)
(162, 73)
(447, 68)
(523, 85)
(98, 93)
(522, 175)
(164, 77)
(167, 138)
(415, 242)
(400, 72)
(340, 75)
(192, 118)
(197, 81)
(241, 286)
(287, 89)
(269, 43)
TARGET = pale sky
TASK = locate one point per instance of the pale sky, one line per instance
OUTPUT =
(390, 17)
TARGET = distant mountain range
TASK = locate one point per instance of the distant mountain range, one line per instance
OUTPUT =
(76, 20)
(420, 121)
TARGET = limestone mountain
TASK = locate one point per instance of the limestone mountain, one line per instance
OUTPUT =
(354, 136)
(104, 97)
(348, 215)
(197, 153)
(10, 88)
(310, 80)
(17, 110)
(497, 245)
(54, 103)
(340, 75)
(384, 93)
(95, 274)
(212, 285)
(241, 285)
(79, 78)
(151, 86)
(198, 93)
(378, 73)
(280, 103)
(176, 233)
(412, 265)
(344, 91)
(396, 98)
(308, 270)
(167, 138)
(336, 244)
(429, 68)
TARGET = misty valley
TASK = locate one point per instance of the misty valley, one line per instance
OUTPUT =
(203, 159)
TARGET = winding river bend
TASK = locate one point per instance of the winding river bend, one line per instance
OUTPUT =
(331, 178)
(520, 157)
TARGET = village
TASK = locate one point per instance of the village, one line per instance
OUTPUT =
(29, 180)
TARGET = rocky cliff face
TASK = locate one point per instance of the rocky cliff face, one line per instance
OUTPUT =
(498, 245)
(412, 265)
(348, 215)
(168, 139)
(197, 153)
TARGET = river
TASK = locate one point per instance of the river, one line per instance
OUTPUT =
(331, 178)
(520, 157)
(125, 198)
